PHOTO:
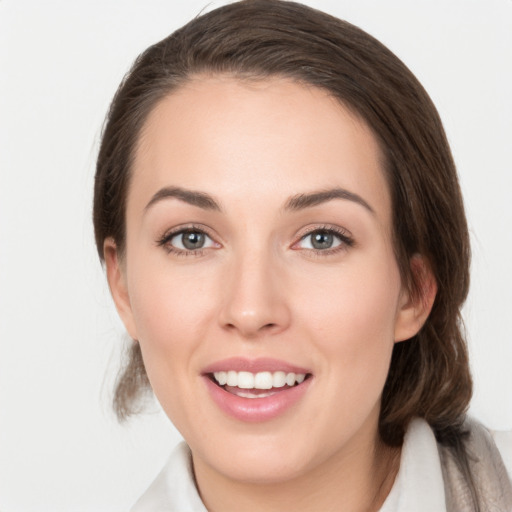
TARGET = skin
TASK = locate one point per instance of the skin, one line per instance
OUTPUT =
(259, 289)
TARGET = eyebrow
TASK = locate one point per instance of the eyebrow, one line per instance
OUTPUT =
(302, 201)
(295, 203)
(199, 199)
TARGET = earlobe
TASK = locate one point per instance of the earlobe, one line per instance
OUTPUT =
(116, 277)
(415, 307)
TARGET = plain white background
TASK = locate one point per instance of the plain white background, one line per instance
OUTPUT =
(60, 340)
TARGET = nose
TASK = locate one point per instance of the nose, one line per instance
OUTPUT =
(254, 297)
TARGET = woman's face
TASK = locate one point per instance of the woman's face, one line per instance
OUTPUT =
(259, 249)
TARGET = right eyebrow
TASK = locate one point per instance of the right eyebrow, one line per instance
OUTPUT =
(195, 198)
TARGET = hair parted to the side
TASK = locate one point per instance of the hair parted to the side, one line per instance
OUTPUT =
(257, 39)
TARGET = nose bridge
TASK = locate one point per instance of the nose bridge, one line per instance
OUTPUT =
(254, 301)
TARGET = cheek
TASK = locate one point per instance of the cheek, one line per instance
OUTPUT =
(172, 311)
(352, 320)
(172, 308)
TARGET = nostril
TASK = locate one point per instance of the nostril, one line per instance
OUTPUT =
(255, 330)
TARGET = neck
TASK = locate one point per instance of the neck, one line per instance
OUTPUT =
(359, 482)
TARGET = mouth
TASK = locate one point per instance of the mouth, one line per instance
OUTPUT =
(258, 385)
(257, 390)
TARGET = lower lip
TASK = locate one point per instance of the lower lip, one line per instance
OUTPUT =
(256, 409)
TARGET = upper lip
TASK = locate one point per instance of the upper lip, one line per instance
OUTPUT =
(240, 364)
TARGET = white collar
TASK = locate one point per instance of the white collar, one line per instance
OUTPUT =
(418, 485)
(174, 489)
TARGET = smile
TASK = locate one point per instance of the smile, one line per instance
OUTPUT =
(256, 391)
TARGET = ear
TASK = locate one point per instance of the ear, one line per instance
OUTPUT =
(116, 277)
(414, 310)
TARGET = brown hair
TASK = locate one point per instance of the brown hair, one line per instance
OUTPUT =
(255, 39)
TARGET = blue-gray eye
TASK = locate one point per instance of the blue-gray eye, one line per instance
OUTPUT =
(321, 239)
(191, 240)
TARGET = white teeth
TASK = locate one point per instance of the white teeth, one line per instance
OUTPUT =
(232, 378)
(260, 380)
(278, 379)
(263, 380)
(222, 378)
(245, 380)
(290, 379)
(247, 394)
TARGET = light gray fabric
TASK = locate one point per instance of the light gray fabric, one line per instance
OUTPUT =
(486, 466)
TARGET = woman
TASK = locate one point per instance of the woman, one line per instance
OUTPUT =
(285, 241)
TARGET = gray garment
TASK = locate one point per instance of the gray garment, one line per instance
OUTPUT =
(494, 487)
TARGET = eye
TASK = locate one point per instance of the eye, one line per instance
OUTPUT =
(324, 240)
(320, 240)
(191, 240)
(187, 240)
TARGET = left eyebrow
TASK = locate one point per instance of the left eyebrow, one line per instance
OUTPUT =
(302, 201)
(195, 198)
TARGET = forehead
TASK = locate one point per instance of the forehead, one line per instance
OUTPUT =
(245, 139)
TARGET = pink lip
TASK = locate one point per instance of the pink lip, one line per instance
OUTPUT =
(255, 409)
(240, 364)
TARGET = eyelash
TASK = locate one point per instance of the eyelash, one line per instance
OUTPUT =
(346, 240)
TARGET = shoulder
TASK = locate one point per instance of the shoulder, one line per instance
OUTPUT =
(503, 441)
(498, 443)
(477, 471)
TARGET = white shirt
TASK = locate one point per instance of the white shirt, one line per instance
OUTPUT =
(418, 485)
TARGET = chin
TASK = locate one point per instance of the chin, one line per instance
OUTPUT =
(261, 459)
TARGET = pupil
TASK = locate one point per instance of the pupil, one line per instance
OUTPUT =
(193, 240)
(322, 240)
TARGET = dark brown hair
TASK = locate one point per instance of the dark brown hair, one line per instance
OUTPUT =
(256, 39)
